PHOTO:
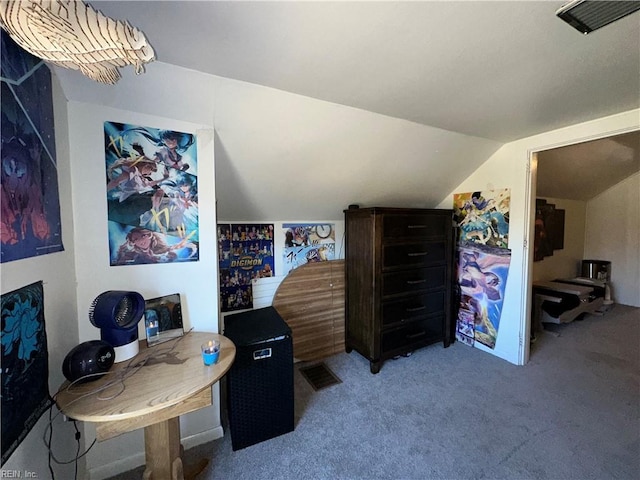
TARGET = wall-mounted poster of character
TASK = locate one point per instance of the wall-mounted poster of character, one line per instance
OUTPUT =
(25, 365)
(482, 277)
(483, 217)
(308, 242)
(245, 253)
(30, 219)
(152, 195)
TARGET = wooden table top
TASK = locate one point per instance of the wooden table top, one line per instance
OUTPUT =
(158, 377)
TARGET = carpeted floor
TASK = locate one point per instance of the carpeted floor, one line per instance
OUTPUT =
(571, 413)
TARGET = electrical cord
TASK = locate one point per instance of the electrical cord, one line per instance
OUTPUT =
(48, 442)
(75, 471)
(50, 438)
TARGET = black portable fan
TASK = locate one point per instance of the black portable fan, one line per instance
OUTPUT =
(117, 313)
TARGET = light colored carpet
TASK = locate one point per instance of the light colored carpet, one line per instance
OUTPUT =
(458, 413)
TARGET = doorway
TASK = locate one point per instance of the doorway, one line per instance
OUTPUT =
(571, 177)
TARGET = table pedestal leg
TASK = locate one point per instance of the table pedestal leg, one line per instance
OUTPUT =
(162, 451)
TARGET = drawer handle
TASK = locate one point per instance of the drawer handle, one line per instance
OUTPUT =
(416, 309)
(415, 282)
(416, 226)
(416, 335)
(418, 254)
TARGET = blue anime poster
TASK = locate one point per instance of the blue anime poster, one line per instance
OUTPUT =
(30, 219)
(152, 195)
(483, 217)
(245, 253)
(25, 365)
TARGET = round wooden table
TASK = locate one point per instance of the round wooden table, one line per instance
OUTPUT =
(151, 391)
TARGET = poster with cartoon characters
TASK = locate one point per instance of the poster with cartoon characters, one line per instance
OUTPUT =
(152, 195)
(30, 219)
(483, 217)
(245, 253)
(482, 277)
(307, 243)
(482, 221)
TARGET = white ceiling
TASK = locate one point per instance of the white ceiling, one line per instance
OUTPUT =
(499, 70)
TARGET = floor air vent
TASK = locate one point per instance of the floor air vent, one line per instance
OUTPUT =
(319, 376)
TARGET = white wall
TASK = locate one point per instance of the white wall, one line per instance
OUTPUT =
(57, 272)
(565, 263)
(509, 168)
(281, 155)
(613, 234)
(197, 282)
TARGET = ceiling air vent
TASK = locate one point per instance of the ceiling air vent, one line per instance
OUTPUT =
(589, 15)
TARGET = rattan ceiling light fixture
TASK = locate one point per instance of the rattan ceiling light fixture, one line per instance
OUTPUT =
(71, 34)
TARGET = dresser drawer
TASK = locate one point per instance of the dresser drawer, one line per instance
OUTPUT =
(413, 254)
(416, 226)
(416, 280)
(412, 308)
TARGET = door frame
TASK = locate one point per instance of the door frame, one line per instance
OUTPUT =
(529, 215)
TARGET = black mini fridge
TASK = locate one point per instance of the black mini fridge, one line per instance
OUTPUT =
(260, 381)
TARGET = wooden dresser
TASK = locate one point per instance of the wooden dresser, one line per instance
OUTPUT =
(398, 281)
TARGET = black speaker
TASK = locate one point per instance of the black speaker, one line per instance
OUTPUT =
(88, 358)
(260, 399)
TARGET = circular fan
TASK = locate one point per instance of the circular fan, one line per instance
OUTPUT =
(117, 313)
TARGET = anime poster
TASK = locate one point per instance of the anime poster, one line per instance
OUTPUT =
(25, 365)
(152, 195)
(308, 242)
(483, 217)
(482, 277)
(245, 253)
(30, 219)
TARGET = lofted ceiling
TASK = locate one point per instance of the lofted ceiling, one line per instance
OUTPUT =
(498, 70)
(585, 170)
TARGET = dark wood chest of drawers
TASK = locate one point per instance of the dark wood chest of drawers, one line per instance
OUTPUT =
(398, 281)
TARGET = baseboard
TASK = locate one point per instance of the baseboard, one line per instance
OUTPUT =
(134, 461)
(114, 468)
(202, 437)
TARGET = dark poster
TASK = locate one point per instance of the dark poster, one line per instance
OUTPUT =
(30, 219)
(25, 365)
(245, 253)
(549, 230)
(152, 195)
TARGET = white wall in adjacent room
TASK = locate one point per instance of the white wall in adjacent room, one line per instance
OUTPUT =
(613, 234)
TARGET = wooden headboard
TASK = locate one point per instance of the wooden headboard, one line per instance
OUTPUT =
(311, 300)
